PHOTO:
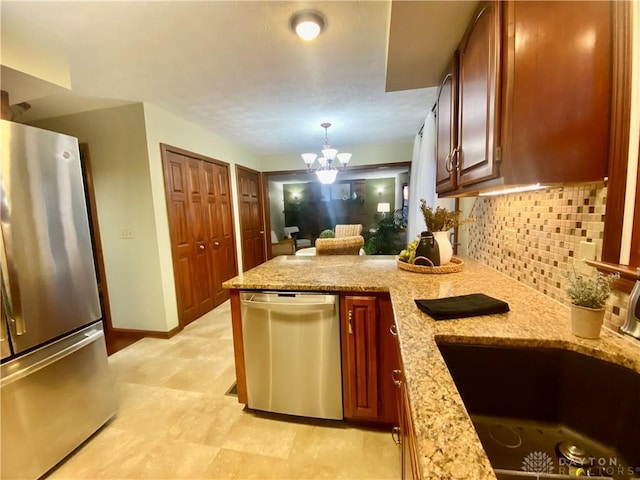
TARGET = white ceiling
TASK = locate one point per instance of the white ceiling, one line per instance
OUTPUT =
(234, 68)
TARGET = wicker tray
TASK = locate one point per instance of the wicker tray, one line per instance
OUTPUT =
(455, 265)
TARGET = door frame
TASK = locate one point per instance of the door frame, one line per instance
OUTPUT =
(164, 149)
(96, 239)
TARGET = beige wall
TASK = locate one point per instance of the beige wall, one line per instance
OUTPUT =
(163, 127)
(362, 155)
(129, 184)
(125, 150)
(119, 157)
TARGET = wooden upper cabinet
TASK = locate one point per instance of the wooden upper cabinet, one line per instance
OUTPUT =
(446, 125)
(557, 94)
(478, 117)
(536, 86)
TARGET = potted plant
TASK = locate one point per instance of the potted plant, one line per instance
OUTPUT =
(588, 297)
(328, 233)
(439, 222)
(386, 238)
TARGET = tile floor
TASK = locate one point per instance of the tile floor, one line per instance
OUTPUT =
(174, 421)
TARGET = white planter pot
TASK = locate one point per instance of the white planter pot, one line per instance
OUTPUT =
(586, 322)
(444, 246)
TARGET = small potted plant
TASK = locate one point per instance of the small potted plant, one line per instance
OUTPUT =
(588, 297)
(328, 233)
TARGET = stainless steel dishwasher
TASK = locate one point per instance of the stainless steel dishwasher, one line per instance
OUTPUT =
(292, 353)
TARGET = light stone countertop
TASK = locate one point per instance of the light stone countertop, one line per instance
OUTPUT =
(447, 444)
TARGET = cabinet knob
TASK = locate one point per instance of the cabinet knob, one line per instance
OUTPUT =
(396, 376)
(393, 330)
(217, 244)
(201, 246)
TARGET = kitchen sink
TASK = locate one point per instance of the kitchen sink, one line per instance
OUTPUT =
(549, 413)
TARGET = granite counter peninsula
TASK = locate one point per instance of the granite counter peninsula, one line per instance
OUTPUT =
(445, 439)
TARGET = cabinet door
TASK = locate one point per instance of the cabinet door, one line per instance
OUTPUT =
(410, 467)
(398, 380)
(478, 122)
(446, 124)
(360, 357)
(408, 455)
(557, 91)
(388, 361)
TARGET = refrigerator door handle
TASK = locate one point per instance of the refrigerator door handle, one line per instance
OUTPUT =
(17, 324)
(15, 321)
(89, 337)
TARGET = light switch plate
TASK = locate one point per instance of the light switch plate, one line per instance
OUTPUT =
(126, 233)
(586, 251)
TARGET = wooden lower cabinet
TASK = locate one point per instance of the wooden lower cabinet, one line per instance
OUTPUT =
(404, 433)
(369, 355)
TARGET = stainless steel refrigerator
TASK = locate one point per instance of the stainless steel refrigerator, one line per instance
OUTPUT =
(55, 385)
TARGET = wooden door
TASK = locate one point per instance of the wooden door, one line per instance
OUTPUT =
(360, 357)
(446, 124)
(179, 211)
(221, 238)
(201, 230)
(478, 123)
(200, 226)
(251, 218)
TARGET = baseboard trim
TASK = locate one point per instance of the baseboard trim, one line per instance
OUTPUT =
(148, 333)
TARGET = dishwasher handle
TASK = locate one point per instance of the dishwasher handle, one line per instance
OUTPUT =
(297, 307)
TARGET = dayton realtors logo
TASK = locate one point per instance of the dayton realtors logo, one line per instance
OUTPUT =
(538, 462)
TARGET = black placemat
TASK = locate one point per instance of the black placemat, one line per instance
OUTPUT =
(462, 306)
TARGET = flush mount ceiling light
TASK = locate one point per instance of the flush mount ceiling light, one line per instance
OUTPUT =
(308, 24)
(326, 171)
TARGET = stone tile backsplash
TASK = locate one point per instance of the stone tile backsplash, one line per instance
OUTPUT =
(549, 226)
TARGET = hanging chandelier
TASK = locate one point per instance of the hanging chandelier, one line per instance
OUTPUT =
(326, 170)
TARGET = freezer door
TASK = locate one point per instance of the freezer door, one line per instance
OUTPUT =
(52, 399)
(48, 276)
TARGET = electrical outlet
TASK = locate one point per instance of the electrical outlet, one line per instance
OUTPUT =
(586, 251)
(510, 240)
(126, 233)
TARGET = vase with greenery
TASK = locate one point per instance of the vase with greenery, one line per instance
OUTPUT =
(439, 221)
(588, 296)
